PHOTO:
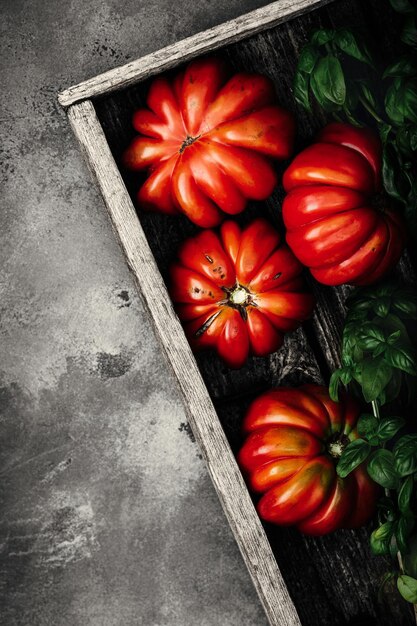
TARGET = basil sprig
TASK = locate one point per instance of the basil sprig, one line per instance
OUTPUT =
(379, 360)
(336, 71)
(377, 351)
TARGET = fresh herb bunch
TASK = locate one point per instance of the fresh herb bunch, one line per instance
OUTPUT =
(334, 71)
(377, 351)
(379, 359)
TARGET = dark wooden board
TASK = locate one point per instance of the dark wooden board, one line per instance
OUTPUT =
(332, 580)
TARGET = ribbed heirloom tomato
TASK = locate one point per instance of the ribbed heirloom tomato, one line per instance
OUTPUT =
(294, 439)
(239, 291)
(338, 224)
(207, 140)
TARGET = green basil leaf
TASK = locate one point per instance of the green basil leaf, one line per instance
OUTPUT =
(403, 531)
(402, 6)
(367, 425)
(382, 304)
(406, 306)
(301, 87)
(353, 455)
(349, 44)
(402, 358)
(407, 587)
(351, 101)
(376, 374)
(328, 83)
(393, 389)
(380, 539)
(409, 34)
(404, 495)
(384, 131)
(388, 427)
(323, 36)
(370, 336)
(403, 67)
(334, 386)
(393, 105)
(381, 468)
(308, 59)
(405, 455)
(384, 531)
(410, 100)
(378, 350)
(392, 338)
(367, 94)
(391, 323)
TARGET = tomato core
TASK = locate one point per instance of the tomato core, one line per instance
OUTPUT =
(239, 296)
(188, 141)
(336, 445)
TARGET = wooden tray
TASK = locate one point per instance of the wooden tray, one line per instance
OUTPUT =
(314, 581)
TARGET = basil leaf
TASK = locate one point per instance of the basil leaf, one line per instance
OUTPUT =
(391, 323)
(402, 6)
(380, 538)
(334, 386)
(392, 102)
(392, 338)
(353, 455)
(403, 531)
(406, 306)
(382, 304)
(381, 468)
(370, 336)
(348, 43)
(301, 86)
(328, 83)
(394, 182)
(405, 455)
(403, 67)
(401, 101)
(388, 427)
(367, 94)
(308, 59)
(407, 587)
(403, 358)
(376, 374)
(367, 425)
(393, 389)
(404, 495)
(384, 131)
(410, 100)
(323, 36)
(409, 34)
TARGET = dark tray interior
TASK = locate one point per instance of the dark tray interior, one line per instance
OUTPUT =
(332, 580)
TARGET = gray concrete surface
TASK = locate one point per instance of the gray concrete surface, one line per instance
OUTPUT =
(108, 515)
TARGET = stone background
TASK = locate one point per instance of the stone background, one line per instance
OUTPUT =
(108, 514)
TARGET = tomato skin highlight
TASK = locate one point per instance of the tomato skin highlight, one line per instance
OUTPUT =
(238, 291)
(288, 457)
(207, 141)
(333, 225)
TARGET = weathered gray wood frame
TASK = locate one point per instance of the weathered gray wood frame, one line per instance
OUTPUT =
(225, 474)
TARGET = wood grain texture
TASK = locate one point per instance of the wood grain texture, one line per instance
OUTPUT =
(207, 429)
(333, 580)
(206, 41)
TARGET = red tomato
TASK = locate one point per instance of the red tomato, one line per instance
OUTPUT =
(239, 291)
(294, 439)
(207, 141)
(334, 226)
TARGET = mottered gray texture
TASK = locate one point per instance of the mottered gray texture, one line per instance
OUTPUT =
(108, 516)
